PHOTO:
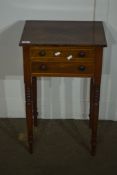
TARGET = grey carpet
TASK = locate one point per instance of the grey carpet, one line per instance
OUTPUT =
(60, 147)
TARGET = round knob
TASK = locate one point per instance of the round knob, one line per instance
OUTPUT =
(82, 68)
(43, 67)
(82, 54)
(42, 53)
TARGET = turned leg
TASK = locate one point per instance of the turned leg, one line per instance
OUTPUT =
(34, 92)
(94, 111)
(29, 118)
(28, 95)
(91, 103)
(94, 115)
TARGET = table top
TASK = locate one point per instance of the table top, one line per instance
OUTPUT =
(86, 33)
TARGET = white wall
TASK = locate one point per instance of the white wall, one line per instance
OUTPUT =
(106, 11)
(60, 97)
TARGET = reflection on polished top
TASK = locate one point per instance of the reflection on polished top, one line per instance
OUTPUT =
(86, 33)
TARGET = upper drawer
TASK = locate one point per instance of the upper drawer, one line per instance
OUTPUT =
(62, 53)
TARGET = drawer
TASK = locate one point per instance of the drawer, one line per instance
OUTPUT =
(62, 69)
(62, 53)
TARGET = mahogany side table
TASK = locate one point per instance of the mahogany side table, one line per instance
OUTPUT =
(62, 49)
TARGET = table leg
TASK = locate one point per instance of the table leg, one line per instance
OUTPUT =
(91, 103)
(34, 92)
(29, 119)
(95, 114)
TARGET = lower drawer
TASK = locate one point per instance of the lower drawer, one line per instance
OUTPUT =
(62, 69)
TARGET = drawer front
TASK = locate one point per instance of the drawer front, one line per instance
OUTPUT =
(62, 53)
(66, 69)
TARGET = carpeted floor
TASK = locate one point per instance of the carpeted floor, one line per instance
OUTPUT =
(61, 147)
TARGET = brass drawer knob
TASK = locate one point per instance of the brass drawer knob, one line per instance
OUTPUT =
(42, 53)
(82, 68)
(82, 54)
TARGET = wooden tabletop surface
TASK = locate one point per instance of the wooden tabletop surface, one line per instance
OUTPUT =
(89, 33)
